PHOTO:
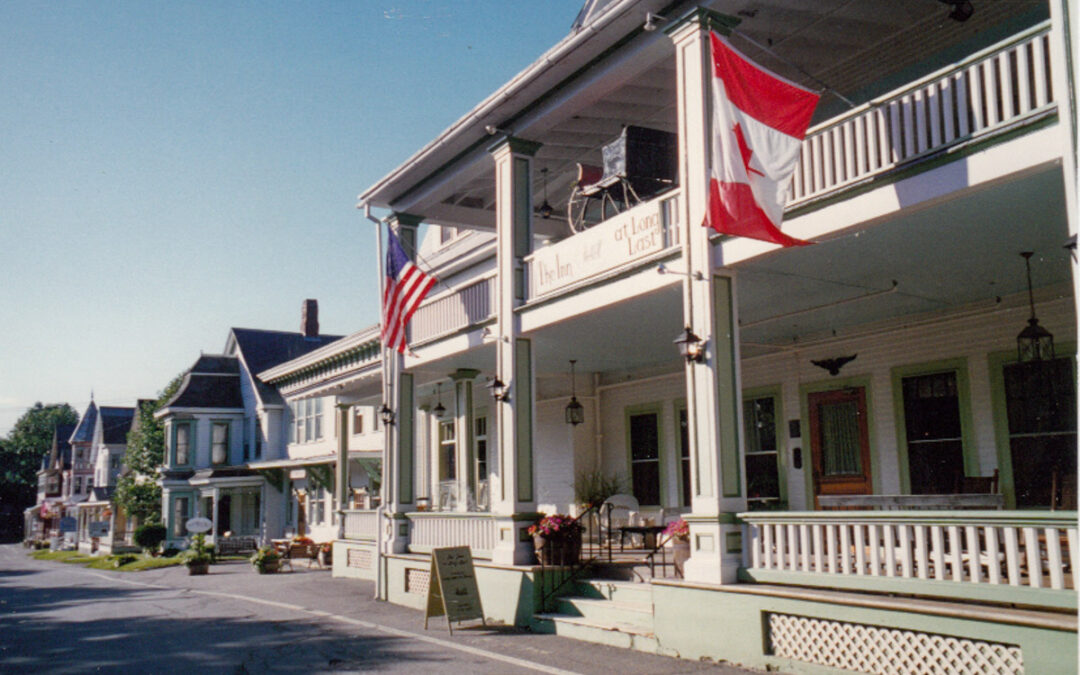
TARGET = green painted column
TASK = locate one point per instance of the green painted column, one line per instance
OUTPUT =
(513, 500)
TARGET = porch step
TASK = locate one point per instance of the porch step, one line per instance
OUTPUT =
(612, 634)
(605, 611)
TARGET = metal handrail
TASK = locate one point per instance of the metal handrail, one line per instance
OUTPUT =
(560, 575)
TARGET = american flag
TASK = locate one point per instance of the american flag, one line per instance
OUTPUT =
(406, 287)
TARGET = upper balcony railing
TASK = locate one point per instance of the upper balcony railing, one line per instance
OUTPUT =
(446, 314)
(992, 90)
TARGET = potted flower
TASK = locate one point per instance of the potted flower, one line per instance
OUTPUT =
(678, 533)
(266, 560)
(196, 557)
(326, 553)
(557, 539)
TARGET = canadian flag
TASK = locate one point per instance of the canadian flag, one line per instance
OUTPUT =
(759, 120)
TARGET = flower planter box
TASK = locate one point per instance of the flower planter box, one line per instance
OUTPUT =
(198, 568)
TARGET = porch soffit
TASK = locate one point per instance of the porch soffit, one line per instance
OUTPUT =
(859, 49)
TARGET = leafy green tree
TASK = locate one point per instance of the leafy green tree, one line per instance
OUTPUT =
(20, 459)
(137, 491)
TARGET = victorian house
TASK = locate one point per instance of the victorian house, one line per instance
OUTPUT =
(917, 360)
(42, 520)
(101, 526)
(223, 420)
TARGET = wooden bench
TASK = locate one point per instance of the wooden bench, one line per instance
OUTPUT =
(236, 545)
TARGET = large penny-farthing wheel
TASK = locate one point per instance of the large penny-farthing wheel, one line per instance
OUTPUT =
(596, 202)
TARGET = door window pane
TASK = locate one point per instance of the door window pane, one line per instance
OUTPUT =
(840, 438)
(684, 456)
(762, 473)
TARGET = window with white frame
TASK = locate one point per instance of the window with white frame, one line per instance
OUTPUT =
(219, 443)
(358, 421)
(181, 443)
(179, 515)
(78, 485)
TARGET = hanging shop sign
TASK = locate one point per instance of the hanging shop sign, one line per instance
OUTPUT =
(198, 524)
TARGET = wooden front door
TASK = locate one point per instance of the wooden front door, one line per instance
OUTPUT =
(840, 442)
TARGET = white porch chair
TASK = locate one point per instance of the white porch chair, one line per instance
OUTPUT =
(624, 509)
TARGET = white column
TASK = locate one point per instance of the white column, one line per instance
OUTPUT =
(709, 310)
(463, 435)
(514, 504)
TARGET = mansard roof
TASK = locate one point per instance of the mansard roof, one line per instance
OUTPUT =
(213, 382)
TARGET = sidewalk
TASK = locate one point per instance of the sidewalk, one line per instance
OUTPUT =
(350, 602)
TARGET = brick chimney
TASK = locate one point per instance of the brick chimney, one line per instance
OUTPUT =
(309, 319)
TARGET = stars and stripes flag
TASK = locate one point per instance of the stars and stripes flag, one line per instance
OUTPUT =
(405, 289)
(759, 121)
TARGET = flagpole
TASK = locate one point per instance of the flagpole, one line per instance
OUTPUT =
(818, 80)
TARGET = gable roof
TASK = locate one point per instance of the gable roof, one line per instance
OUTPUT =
(84, 433)
(212, 382)
(115, 422)
(264, 349)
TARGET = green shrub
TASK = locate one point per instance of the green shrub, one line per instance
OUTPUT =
(170, 552)
(149, 537)
(121, 560)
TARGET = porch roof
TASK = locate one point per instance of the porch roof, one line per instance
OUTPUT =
(301, 462)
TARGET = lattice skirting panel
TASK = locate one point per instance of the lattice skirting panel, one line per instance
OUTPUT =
(873, 649)
(417, 581)
(360, 558)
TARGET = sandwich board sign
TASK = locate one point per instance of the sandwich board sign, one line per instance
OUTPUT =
(68, 524)
(452, 590)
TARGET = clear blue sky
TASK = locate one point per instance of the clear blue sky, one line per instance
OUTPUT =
(171, 169)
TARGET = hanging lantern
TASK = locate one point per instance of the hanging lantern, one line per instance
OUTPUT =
(1034, 343)
(575, 412)
(439, 409)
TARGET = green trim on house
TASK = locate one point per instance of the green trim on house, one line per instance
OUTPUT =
(967, 427)
(662, 455)
(833, 384)
(724, 333)
(523, 433)
(996, 362)
(406, 442)
(677, 406)
(775, 392)
(1020, 595)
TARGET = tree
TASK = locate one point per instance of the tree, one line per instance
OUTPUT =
(20, 459)
(137, 491)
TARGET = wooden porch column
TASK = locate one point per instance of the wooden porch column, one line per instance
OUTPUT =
(398, 487)
(341, 473)
(514, 500)
(712, 385)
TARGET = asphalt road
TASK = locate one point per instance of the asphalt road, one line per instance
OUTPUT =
(57, 618)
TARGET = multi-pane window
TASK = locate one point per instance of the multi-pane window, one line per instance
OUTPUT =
(180, 514)
(182, 444)
(219, 443)
(78, 485)
(306, 422)
(645, 458)
(317, 414)
(358, 421)
(293, 422)
(684, 456)
(317, 508)
(1040, 400)
(932, 425)
(759, 431)
(447, 451)
(480, 426)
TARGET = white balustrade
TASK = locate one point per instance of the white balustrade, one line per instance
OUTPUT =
(999, 548)
(445, 314)
(361, 524)
(992, 89)
(439, 529)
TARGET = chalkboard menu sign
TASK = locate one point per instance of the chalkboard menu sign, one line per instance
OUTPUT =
(453, 591)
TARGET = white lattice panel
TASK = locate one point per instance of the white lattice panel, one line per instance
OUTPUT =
(360, 558)
(871, 649)
(417, 581)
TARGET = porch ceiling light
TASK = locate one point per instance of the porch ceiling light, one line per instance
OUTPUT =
(545, 209)
(499, 390)
(386, 415)
(1034, 343)
(651, 21)
(962, 10)
(439, 409)
(575, 412)
(690, 346)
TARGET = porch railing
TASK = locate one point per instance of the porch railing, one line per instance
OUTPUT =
(464, 307)
(993, 89)
(438, 529)
(1017, 556)
(360, 524)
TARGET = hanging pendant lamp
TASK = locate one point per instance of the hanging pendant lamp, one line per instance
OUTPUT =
(575, 412)
(1034, 343)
